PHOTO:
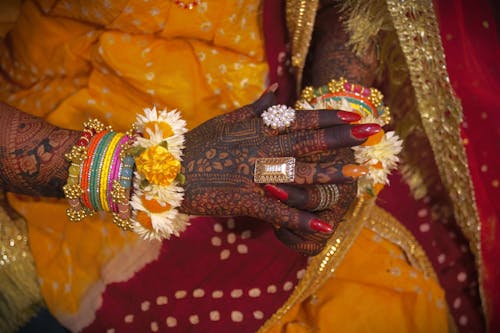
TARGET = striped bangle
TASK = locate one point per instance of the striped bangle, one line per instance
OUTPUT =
(86, 168)
(106, 170)
(114, 174)
(76, 156)
(95, 171)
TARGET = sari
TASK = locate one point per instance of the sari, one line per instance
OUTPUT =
(114, 58)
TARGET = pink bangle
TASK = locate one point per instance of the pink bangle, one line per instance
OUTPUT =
(115, 172)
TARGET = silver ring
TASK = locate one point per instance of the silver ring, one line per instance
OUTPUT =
(328, 196)
(278, 116)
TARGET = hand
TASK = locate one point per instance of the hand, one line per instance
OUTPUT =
(220, 155)
(308, 198)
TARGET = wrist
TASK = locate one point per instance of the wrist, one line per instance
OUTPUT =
(379, 152)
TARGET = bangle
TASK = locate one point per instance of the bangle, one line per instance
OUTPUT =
(343, 95)
(116, 167)
(96, 168)
(107, 169)
(86, 175)
(102, 168)
(76, 156)
(379, 152)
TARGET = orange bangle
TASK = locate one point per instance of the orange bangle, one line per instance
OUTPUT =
(84, 174)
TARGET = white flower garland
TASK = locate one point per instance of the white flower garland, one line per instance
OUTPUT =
(157, 183)
(380, 158)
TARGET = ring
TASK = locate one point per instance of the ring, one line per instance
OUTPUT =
(274, 170)
(328, 196)
(278, 116)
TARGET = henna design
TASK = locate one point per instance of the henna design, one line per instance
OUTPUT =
(218, 165)
(32, 154)
(313, 243)
(329, 57)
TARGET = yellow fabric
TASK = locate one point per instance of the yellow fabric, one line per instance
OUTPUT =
(373, 290)
(109, 60)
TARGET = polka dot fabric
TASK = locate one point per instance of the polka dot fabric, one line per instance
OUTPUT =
(206, 282)
(445, 247)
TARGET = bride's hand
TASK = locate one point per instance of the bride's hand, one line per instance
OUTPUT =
(308, 198)
(219, 161)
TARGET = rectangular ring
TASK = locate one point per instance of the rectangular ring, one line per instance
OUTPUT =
(274, 170)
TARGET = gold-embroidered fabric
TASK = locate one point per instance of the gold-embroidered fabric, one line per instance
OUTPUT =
(429, 116)
(19, 293)
(324, 264)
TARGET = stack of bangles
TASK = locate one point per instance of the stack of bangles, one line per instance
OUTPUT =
(102, 176)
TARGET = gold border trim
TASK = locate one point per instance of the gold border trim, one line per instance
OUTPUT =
(300, 18)
(415, 24)
(440, 111)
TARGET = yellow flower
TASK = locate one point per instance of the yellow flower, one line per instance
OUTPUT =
(158, 165)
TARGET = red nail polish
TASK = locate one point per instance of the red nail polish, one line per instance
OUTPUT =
(320, 226)
(276, 192)
(348, 117)
(365, 130)
(272, 88)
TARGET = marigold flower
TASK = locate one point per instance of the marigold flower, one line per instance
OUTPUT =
(158, 165)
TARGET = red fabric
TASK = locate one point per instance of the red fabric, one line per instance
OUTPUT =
(472, 54)
(242, 258)
(472, 51)
(445, 247)
(277, 51)
(232, 256)
(470, 39)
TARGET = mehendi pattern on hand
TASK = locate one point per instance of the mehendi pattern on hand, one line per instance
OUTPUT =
(219, 161)
(32, 154)
(329, 57)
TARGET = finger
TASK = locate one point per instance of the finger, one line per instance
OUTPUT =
(308, 244)
(327, 173)
(267, 99)
(299, 243)
(301, 143)
(301, 197)
(278, 213)
(314, 119)
(315, 197)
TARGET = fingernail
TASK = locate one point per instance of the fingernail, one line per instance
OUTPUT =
(348, 117)
(273, 87)
(354, 170)
(365, 130)
(320, 226)
(276, 192)
(374, 139)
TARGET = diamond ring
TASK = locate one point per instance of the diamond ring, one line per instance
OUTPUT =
(278, 116)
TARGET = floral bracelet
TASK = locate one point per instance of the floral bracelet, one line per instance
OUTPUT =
(158, 191)
(379, 152)
(136, 175)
